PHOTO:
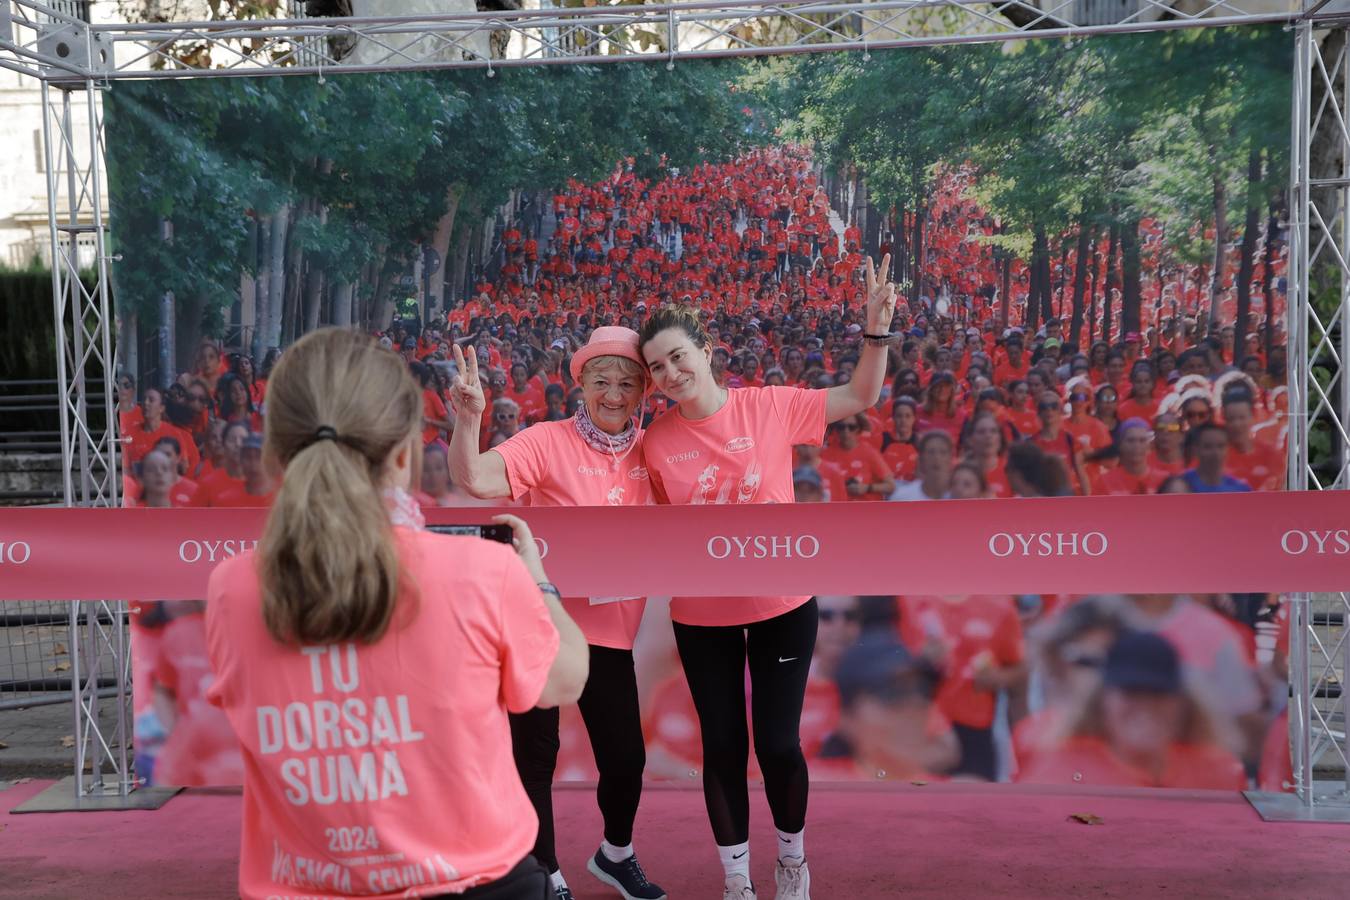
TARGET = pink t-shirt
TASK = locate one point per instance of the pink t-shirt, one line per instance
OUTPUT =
(740, 454)
(551, 464)
(385, 769)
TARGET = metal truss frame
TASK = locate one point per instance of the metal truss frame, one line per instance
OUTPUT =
(73, 59)
(1319, 398)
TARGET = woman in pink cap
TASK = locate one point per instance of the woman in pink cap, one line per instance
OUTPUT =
(736, 446)
(593, 458)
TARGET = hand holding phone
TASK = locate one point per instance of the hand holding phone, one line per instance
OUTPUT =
(526, 546)
(499, 533)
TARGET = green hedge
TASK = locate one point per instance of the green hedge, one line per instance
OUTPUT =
(27, 332)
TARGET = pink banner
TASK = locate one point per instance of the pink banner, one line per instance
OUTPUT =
(1226, 542)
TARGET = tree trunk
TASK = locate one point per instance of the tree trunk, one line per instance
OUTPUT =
(461, 268)
(1038, 298)
(1004, 293)
(916, 282)
(276, 265)
(293, 318)
(1220, 240)
(1063, 277)
(263, 284)
(440, 242)
(1112, 244)
(1081, 252)
(1047, 286)
(187, 330)
(1247, 260)
(1268, 282)
(129, 342)
(1095, 268)
(1131, 287)
(900, 247)
(342, 304)
(313, 298)
(382, 309)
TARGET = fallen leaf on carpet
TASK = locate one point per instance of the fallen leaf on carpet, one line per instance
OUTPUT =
(917, 783)
(60, 667)
(60, 650)
(1087, 819)
(68, 741)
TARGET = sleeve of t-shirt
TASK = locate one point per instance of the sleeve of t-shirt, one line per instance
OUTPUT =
(1008, 644)
(217, 639)
(436, 407)
(802, 412)
(527, 459)
(880, 471)
(189, 446)
(527, 639)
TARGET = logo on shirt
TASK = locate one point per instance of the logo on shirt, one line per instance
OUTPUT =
(638, 473)
(764, 546)
(739, 445)
(1317, 543)
(14, 552)
(686, 456)
(590, 470)
(615, 496)
(1048, 543)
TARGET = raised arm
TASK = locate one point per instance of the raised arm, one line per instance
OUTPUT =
(864, 388)
(481, 474)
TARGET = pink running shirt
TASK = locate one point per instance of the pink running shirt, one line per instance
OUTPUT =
(740, 454)
(385, 769)
(552, 464)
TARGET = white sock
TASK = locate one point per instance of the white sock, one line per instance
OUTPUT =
(735, 859)
(556, 880)
(792, 846)
(615, 854)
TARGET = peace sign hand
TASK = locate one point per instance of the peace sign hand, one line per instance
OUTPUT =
(880, 297)
(466, 393)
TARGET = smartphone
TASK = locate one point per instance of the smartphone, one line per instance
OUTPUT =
(500, 533)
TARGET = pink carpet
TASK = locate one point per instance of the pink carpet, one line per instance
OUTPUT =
(864, 842)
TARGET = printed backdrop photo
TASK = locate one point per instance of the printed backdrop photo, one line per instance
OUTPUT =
(1106, 219)
(1089, 238)
(1150, 690)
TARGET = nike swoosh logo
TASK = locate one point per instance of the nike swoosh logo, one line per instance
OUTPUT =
(739, 855)
(785, 840)
(789, 659)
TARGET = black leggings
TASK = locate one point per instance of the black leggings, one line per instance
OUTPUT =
(609, 707)
(714, 657)
(527, 881)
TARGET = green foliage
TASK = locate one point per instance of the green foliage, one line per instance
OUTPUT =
(378, 155)
(1111, 129)
(28, 340)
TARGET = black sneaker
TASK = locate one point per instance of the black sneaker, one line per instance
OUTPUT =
(625, 877)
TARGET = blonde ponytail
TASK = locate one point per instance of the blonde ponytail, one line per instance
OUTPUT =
(328, 564)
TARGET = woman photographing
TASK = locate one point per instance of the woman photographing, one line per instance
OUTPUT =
(368, 666)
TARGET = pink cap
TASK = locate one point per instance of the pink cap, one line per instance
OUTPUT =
(611, 340)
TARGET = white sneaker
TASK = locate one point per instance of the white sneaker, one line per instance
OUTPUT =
(738, 887)
(793, 879)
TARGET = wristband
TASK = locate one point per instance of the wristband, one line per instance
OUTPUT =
(548, 587)
(879, 337)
